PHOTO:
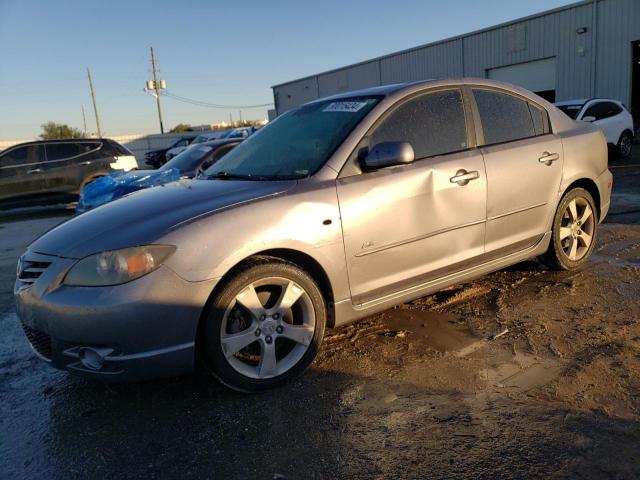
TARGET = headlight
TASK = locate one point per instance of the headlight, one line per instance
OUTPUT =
(117, 266)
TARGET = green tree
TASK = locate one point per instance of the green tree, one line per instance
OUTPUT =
(58, 131)
(181, 127)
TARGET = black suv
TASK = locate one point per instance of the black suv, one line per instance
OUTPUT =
(157, 158)
(35, 171)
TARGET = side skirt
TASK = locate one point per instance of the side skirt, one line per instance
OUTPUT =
(346, 311)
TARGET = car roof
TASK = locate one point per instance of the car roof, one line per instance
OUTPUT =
(381, 90)
(417, 86)
(64, 140)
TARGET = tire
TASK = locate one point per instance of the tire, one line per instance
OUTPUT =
(625, 145)
(573, 234)
(248, 346)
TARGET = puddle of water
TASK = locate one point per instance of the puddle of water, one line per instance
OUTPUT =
(440, 331)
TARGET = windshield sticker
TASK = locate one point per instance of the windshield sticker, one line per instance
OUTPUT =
(347, 107)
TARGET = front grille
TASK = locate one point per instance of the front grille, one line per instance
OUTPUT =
(29, 271)
(40, 341)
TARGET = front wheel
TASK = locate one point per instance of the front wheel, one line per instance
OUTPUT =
(264, 327)
(573, 232)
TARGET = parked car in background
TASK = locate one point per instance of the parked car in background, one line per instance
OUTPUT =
(203, 137)
(35, 172)
(343, 207)
(241, 132)
(156, 158)
(187, 164)
(610, 115)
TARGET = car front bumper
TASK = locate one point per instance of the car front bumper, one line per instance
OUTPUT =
(136, 331)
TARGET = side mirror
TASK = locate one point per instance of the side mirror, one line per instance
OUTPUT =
(589, 118)
(387, 154)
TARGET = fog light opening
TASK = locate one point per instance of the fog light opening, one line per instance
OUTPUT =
(90, 358)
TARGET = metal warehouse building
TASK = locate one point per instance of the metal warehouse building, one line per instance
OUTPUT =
(582, 50)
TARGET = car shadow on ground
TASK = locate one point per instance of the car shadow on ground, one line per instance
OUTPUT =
(325, 425)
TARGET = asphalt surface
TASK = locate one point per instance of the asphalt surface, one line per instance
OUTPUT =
(524, 373)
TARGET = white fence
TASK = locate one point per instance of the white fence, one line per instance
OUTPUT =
(138, 144)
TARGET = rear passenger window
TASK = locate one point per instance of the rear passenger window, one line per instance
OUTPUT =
(504, 118)
(433, 124)
(537, 115)
(61, 151)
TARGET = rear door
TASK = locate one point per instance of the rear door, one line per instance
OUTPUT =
(404, 226)
(523, 159)
(21, 172)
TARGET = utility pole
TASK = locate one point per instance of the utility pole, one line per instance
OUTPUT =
(95, 107)
(84, 120)
(156, 85)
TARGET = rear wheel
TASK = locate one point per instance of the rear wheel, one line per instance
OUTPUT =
(625, 145)
(264, 327)
(574, 231)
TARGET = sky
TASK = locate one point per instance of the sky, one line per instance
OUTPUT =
(227, 53)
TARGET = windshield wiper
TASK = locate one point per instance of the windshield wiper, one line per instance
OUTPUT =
(232, 176)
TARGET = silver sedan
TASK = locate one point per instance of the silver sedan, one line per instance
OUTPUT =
(338, 209)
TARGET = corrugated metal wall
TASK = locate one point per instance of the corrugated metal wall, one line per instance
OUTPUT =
(618, 25)
(596, 62)
(443, 60)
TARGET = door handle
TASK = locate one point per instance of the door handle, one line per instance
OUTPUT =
(35, 170)
(548, 158)
(88, 162)
(462, 177)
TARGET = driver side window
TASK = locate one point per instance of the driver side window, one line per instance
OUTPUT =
(433, 124)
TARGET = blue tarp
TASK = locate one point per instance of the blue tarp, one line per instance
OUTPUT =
(116, 185)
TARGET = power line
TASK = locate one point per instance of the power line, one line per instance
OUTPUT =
(202, 103)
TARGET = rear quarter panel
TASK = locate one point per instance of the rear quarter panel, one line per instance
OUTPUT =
(585, 157)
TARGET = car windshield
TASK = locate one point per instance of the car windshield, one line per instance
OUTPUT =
(571, 110)
(188, 159)
(296, 144)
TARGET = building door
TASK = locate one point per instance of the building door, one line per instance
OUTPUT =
(538, 76)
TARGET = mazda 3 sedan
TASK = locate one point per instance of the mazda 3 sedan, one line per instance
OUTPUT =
(338, 209)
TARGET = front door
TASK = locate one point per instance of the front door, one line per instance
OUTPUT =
(524, 169)
(406, 225)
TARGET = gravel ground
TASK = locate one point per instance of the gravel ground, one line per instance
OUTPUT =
(523, 373)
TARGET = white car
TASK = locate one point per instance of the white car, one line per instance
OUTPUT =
(203, 137)
(610, 115)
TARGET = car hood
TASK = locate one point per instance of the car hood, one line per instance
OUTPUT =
(145, 216)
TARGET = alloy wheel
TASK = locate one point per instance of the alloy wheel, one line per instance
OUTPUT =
(267, 328)
(577, 228)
